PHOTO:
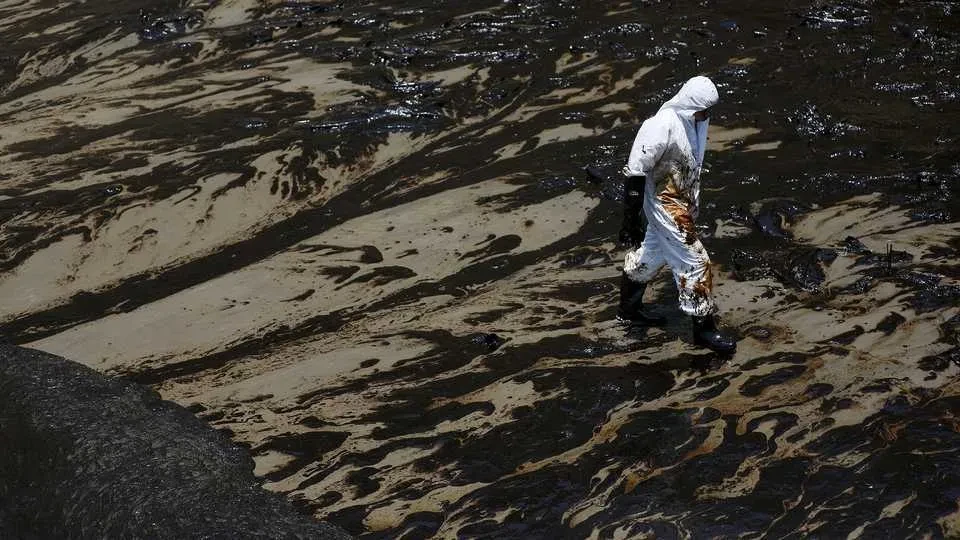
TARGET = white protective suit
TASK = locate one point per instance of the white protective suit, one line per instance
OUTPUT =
(669, 151)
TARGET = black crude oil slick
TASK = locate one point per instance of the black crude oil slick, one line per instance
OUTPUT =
(375, 244)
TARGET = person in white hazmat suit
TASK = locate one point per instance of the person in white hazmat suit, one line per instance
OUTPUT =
(663, 177)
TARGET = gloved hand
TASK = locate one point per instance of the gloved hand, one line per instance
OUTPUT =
(632, 229)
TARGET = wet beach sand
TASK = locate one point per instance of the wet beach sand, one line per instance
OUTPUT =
(359, 237)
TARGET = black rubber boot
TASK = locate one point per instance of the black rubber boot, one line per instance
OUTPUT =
(706, 334)
(633, 228)
(631, 304)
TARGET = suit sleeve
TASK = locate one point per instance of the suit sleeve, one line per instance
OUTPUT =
(647, 148)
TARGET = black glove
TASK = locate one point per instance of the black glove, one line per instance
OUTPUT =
(633, 228)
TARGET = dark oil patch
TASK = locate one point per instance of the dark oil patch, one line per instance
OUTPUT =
(876, 58)
(338, 273)
(303, 296)
(848, 337)
(305, 448)
(490, 316)
(890, 323)
(382, 275)
(496, 246)
(942, 361)
(795, 358)
(758, 383)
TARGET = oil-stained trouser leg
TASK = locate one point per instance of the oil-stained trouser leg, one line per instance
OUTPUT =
(676, 239)
(693, 275)
(689, 262)
(643, 263)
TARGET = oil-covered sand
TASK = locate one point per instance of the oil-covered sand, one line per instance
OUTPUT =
(360, 237)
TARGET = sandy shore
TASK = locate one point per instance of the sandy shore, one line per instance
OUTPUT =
(369, 251)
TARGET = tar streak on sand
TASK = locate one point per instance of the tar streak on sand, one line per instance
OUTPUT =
(359, 238)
